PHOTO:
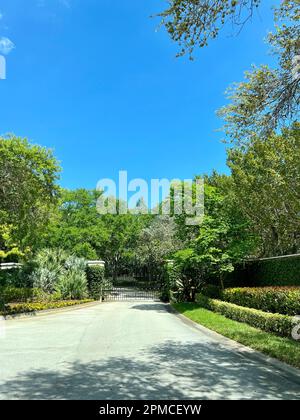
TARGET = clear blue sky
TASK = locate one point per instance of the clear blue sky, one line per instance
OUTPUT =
(96, 81)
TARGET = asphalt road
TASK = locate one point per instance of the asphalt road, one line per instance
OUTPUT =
(129, 350)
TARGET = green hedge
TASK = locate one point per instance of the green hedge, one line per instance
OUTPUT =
(19, 295)
(96, 281)
(281, 325)
(20, 308)
(212, 291)
(272, 272)
(282, 300)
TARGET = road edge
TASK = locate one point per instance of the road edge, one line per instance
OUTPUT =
(282, 368)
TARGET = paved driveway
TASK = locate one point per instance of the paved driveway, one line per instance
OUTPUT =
(128, 350)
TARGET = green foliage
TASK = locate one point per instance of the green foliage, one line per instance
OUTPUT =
(44, 279)
(266, 174)
(170, 277)
(88, 234)
(282, 300)
(14, 294)
(96, 281)
(193, 23)
(211, 291)
(75, 264)
(223, 239)
(28, 175)
(20, 308)
(281, 325)
(268, 98)
(57, 271)
(155, 244)
(280, 272)
(50, 265)
(72, 285)
(270, 272)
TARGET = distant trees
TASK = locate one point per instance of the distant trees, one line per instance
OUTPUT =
(81, 229)
(156, 243)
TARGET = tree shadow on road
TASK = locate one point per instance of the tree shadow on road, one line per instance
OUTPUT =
(156, 307)
(169, 371)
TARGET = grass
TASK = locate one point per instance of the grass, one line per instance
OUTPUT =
(284, 349)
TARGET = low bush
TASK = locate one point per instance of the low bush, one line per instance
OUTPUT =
(20, 308)
(283, 300)
(23, 295)
(281, 325)
(18, 295)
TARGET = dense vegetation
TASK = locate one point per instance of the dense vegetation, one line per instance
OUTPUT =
(253, 212)
(283, 300)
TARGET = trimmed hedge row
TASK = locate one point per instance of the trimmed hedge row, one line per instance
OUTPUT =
(20, 308)
(282, 300)
(20, 295)
(281, 325)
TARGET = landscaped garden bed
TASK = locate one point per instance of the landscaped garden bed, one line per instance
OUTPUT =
(53, 279)
(20, 308)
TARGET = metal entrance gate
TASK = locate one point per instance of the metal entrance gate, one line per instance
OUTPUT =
(124, 289)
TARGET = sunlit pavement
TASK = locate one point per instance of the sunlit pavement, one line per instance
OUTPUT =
(128, 350)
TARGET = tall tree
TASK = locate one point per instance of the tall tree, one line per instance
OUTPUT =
(269, 97)
(193, 23)
(28, 190)
(267, 186)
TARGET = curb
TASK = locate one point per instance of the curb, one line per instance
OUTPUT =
(283, 369)
(31, 315)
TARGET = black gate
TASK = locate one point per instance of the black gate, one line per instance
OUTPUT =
(130, 289)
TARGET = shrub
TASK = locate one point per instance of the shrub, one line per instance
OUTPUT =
(72, 285)
(14, 294)
(52, 259)
(17, 277)
(283, 300)
(21, 295)
(96, 283)
(50, 265)
(75, 263)
(44, 279)
(211, 291)
(60, 272)
(281, 325)
(20, 308)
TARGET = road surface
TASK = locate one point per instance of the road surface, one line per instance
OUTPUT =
(129, 350)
